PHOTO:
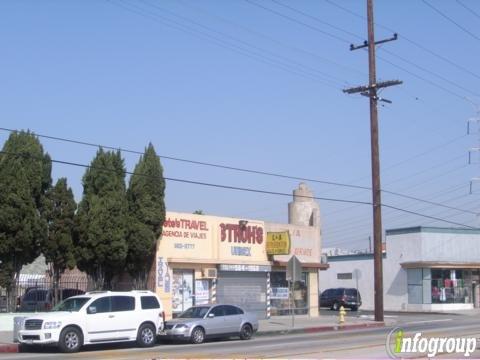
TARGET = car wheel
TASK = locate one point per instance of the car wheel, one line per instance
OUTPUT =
(335, 306)
(354, 308)
(146, 335)
(198, 335)
(246, 332)
(70, 340)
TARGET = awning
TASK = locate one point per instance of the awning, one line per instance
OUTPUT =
(304, 265)
(440, 265)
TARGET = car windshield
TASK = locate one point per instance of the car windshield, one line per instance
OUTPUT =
(71, 304)
(196, 312)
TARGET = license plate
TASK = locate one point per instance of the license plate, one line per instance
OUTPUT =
(29, 341)
(163, 332)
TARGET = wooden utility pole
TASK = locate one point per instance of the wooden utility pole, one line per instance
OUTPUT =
(371, 92)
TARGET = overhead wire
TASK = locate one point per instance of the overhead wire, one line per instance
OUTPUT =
(219, 166)
(222, 186)
(245, 43)
(465, 30)
(432, 83)
(469, 9)
(418, 45)
(219, 42)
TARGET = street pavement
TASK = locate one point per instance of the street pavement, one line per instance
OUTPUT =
(293, 342)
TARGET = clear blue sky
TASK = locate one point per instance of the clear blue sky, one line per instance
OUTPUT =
(257, 87)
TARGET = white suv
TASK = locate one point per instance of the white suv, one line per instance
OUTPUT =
(97, 317)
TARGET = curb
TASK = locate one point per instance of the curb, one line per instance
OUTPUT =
(9, 348)
(317, 329)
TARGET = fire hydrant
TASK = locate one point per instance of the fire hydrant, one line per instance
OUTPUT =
(341, 315)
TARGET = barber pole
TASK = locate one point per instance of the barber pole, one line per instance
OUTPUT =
(268, 296)
(214, 291)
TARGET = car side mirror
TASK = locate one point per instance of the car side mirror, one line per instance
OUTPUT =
(211, 315)
(92, 310)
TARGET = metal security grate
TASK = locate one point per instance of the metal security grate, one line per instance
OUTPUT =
(33, 324)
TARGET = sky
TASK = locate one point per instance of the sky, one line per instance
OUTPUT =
(257, 84)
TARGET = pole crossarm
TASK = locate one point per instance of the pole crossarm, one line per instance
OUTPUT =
(366, 88)
(365, 43)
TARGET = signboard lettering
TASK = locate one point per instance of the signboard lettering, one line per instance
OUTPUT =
(278, 243)
(235, 233)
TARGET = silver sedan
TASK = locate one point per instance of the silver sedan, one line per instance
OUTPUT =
(199, 322)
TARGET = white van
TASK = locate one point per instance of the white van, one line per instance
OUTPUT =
(97, 317)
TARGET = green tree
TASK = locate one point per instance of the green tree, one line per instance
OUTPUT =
(199, 212)
(102, 218)
(59, 211)
(147, 213)
(24, 178)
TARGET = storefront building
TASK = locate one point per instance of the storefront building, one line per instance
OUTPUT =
(205, 259)
(424, 269)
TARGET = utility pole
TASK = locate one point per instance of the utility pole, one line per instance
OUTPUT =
(370, 91)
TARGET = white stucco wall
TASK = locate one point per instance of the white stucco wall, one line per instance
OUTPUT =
(426, 244)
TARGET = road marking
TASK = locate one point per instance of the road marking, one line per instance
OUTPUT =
(427, 321)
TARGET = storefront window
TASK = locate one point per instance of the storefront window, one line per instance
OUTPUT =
(182, 290)
(451, 286)
(283, 299)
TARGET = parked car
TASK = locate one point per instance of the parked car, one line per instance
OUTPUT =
(97, 317)
(346, 297)
(41, 299)
(208, 321)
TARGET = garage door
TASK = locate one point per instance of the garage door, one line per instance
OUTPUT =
(245, 289)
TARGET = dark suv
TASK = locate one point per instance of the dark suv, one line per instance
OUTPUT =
(40, 299)
(346, 297)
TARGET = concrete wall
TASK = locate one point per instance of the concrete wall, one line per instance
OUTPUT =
(403, 245)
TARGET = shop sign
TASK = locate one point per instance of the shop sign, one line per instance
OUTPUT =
(184, 228)
(163, 275)
(278, 243)
(243, 267)
(241, 234)
(202, 292)
(279, 293)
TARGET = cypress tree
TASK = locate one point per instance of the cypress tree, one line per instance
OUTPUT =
(59, 211)
(101, 221)
(147, 213)
(24, 178)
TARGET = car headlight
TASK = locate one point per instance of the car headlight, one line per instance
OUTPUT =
(52, 324)
(181, 326)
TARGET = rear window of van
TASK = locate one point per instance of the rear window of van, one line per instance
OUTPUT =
(149, 302)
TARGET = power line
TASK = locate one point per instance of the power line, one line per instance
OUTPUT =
(317, 19)
(221, 186)
(257, 33)
(469, 9)
(344, 40)
(258, 172)
(219, 42)
(451, 20)
(418, 45)
(384, 49)
(426, 216)
(232, 168)
(245, 43)
(298, 21)
(229, 187)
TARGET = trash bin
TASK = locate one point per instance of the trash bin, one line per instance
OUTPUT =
(17, 326)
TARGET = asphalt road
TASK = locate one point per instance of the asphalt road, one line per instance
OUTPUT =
(369, 343)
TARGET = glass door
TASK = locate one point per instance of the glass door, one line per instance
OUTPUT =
(182, 290)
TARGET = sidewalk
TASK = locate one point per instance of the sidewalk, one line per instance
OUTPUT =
(305, 324)
(276, 325)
